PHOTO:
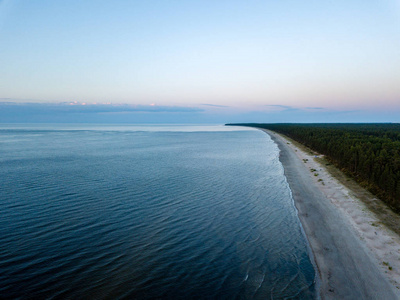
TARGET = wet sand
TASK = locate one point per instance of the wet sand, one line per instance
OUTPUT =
(355, 258)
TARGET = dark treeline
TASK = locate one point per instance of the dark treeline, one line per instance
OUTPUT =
(368, 152)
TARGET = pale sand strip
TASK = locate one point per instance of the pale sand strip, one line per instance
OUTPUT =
(357, 257)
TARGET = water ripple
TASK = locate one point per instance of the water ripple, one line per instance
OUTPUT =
(92, 214)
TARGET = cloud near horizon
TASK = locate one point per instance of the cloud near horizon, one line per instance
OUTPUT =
(75, 112)
(77, 107)
(84, 112)
(282, 108)
(215, 105)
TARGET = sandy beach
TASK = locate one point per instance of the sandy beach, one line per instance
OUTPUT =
(356, 255)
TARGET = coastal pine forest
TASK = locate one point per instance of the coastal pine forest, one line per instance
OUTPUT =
(370, 153)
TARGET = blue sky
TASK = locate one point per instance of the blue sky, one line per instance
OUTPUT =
(200, 61)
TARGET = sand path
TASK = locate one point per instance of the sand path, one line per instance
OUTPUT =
(356, 256)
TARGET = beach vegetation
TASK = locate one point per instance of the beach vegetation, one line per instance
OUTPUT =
(388, 265)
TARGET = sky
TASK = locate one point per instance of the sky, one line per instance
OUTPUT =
(199, 61)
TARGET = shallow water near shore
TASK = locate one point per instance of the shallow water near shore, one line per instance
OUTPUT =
(170, 212)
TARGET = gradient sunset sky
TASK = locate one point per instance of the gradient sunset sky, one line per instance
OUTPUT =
(200, 61)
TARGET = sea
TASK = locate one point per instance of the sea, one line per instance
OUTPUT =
(147, 212)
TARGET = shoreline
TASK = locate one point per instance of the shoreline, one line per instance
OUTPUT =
(355, 257)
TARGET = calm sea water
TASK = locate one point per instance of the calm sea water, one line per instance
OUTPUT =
(144, 212)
